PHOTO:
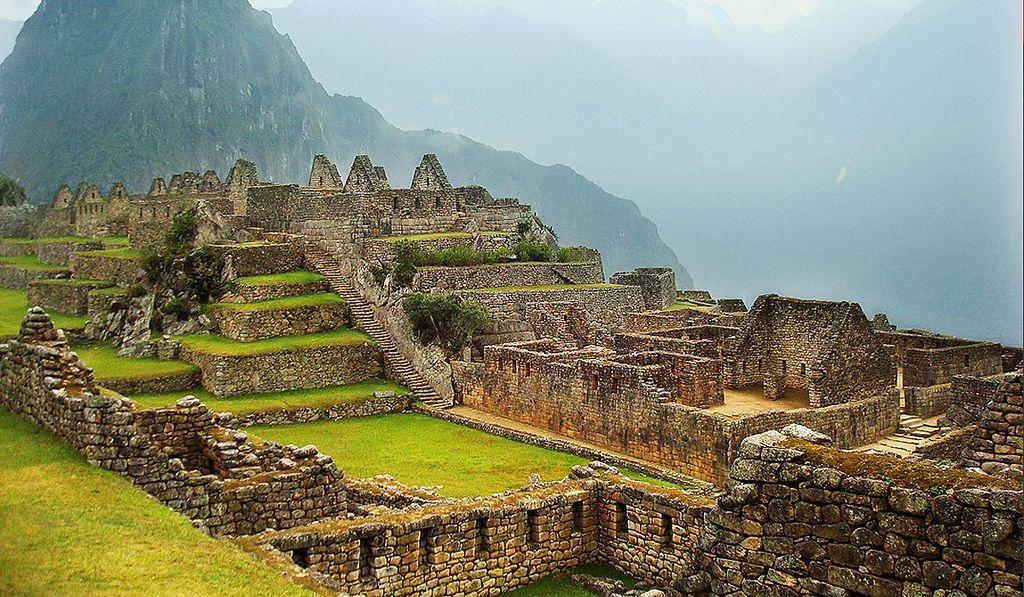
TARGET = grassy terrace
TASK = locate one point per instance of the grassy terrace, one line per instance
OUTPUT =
(122, 253)
(67, 528)
(291, 302)
(221, 346)
(76, 282)
(108, 366)
(31, 263)
(296, 277)
(14, 304)
(252, 403)
(248, 245)
(439, 236)
(561, 587)
(547, 288)
(106, 240)
(421, 450)
(109, 290)
(679, 305)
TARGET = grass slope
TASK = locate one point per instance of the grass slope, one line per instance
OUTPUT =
(420, 450)
(31, 263)
(291, 302)
(107, 365)
(250, 403)
(221, 346)
(295, 277)
(67, 528)
(14, 304)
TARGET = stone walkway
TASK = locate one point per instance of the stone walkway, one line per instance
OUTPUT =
(912, 433)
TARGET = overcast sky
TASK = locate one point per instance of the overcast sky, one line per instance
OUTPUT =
(765, 14)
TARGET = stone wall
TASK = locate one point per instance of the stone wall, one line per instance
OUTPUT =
(249, 325)
(509, 311)
(60, 252)
(805, 519)
(259, 259)
(217, 478)
(382, 250)
(20, 279)
(378, 405)
(970, 397)
(824, 347)
(18, 221)
(92, 266)
(160, 384)
(929, 360)
(998, 443)
(508, 274)
(63, 296)
(296, 369)
(657, 285)
(492, 545)
(928, 401)
(252, 293)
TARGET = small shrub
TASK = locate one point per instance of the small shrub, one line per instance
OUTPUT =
(573, 254)
(182, 234)
(135, 291)
(523, 228)
(447, 319)
(176, 307)
(203, 269)
(531, 250)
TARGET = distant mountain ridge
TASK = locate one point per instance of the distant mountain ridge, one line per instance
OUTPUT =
(164, 86)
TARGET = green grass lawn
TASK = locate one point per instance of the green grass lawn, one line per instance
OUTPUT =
(678, 305)
(106, 240)
(242, 405)
(562, 587)
(14, 304)
(295, 277)
(122, 253)
(31, 263)
(221, 346)
(291, 302)
(108, 366)
(545, 288)
(421, 450)
(67, 528)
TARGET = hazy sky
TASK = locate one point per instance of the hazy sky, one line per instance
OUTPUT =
(765, 14)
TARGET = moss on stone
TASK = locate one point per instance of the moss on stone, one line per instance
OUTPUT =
(220, 346)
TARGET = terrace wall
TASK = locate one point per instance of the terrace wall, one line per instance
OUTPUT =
(998, 442)
(260, 259)
(509, 311)
(508, 274)
(303, 368)
(62, 296)
(60, 252)
(122, 270)
(261, 324)
(20, 279)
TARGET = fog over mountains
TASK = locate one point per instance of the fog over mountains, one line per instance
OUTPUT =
(8, 33)
(868, 151)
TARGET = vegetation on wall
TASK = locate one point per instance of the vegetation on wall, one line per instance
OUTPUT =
(11, 193)
(449, 320)
(192, 273)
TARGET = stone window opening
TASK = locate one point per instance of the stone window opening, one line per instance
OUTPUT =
(365, 559)
(300, 557)
(168, 211)
(760, 365)
(621, 520)
(526, 369)
(594, 384)
(803, 369)
(418, 203)
(394, 203)
(437, 202)
(743, 367)
(577, 517)
(533, 528)
(515, 366)
(428, 545)
(483, 543)
(615, 385)
(967, 361)
(784, 367)
(668, 540)
(458, 205)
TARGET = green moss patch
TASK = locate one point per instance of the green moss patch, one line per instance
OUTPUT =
(560, 585)
(109, 366)
(220, 346)
(287, 278)
(109, 290)
(291, 302)
(680, 305)
(253, 403)
(421, 450)
(30, 263)
(14, 305)
(73, 529)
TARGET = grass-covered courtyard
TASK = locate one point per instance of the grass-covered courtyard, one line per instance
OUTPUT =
(108, 366)
(67, 528)
(421, 450)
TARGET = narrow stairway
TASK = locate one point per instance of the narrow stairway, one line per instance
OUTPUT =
(912, 433)
(365, 319)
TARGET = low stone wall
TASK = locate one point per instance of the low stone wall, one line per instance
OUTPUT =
(492, 545)
(261, 259)
(605, 305)
(947, 446)
(366, 408)
(224, 483)
(998, 443)
(19, 279)
(254, 293)
(382, 251)
(20, 221)
(508, 274)
(63, 296)
(60, 252)
(927, 402)
(261, 324)
(122, 270)
(970, 397)
(806, 519)
(301, 369)
(178, 382)
(14, 248)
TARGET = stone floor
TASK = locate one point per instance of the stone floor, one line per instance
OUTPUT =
(752, 401)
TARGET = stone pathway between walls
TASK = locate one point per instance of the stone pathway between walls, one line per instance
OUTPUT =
(494, 424)
(365, 320)
(913, 432)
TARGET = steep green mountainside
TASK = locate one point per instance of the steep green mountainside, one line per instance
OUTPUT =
(127, 90)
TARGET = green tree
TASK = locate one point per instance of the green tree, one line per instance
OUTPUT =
(11, 193)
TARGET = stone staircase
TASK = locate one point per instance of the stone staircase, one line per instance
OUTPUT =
(912, 433)
(363, 315)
